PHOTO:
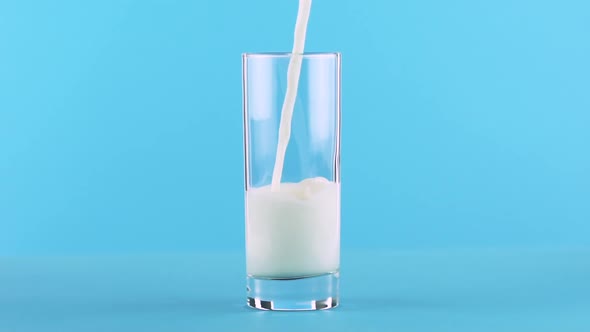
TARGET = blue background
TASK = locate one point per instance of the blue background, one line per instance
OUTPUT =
(465, 162)
(465, 123)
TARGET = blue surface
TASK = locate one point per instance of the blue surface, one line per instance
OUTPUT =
(477, 290)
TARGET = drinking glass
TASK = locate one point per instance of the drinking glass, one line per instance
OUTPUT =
(292, 230)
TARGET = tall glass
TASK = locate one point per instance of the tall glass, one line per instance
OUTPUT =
(293, 230)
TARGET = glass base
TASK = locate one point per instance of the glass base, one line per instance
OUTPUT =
(306, 293)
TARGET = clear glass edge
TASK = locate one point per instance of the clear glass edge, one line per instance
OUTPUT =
(288, 54)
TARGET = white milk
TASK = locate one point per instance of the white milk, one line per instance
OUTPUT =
(294, 232)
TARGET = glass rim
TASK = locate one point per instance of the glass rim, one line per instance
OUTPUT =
(288, 54)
